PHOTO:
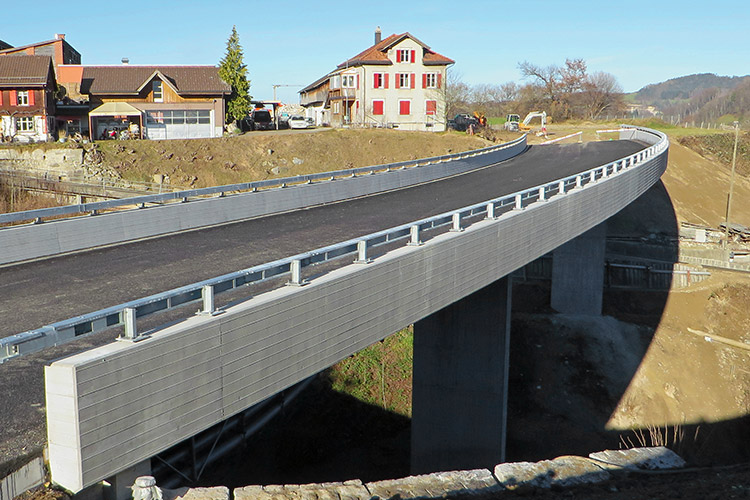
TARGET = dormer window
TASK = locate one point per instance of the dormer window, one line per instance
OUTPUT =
(158, 91)
(405, 56)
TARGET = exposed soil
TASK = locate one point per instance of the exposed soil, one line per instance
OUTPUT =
(263, 155)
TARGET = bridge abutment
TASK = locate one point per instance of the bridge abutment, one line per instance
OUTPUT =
(460, 383)
(578, 273)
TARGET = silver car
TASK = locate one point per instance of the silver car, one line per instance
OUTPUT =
(297, 121)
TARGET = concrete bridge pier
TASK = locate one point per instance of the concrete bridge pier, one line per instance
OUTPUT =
(460, 385)
(578, 273)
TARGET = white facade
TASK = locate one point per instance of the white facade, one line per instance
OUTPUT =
(27, 128)
(397, 91)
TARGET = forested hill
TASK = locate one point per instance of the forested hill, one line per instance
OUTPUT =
(700, 98)
(685, 87)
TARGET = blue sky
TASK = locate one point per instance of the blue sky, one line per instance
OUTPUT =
(294, 42)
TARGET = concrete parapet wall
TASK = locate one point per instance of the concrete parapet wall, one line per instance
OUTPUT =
(29, 476)
(119, 404)
(33, 241)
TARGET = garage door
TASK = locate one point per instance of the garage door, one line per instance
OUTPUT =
(179, 124)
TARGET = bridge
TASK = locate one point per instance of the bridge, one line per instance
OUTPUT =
(468, 221)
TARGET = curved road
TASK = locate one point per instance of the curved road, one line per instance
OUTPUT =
(49, 290)
(42, 292)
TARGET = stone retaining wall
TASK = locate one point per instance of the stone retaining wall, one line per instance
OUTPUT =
(559, 473)
(61, 160)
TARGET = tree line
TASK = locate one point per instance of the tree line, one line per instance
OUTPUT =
(563, 91)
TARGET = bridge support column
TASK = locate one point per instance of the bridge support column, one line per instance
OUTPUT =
(460, 385)
(119, 485)
(578, 273)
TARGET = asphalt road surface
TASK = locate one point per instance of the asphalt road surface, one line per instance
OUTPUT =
(42, 292)
(53, 289)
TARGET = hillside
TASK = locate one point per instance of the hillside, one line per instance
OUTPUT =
(699, 98)
(684, 87)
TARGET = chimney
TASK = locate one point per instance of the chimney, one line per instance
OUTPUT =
(378, 35)
(59, 36)
(125, 60)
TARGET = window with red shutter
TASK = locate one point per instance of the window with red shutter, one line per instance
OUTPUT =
(13, 101)
(376, 80)
(424, 80)
(385, 80)
(31, 98)
(440, 79)
(412, 57)
(413, 80)
(431, 107)
(377, 107)
(398, 56)
(357, 81)
(1, 97)
(404, 107)
(397, 82)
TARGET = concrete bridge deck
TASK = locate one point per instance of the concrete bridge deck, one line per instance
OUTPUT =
(38, 293)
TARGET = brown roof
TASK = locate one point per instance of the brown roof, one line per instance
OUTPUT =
(31, 71)
(378, 53)
(23, 47)
(128, 79)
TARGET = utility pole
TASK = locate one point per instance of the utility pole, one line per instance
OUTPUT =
(731, 182)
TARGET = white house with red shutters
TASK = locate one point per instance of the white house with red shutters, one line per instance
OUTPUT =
(399, 82)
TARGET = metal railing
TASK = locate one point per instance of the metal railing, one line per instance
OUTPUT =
(126, 314)
(141, 201)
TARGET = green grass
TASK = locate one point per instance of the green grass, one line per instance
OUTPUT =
(379, 374)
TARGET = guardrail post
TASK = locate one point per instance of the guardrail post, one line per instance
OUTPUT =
(456, 228)
(128, 319)
(519, 204)
(414, 240)
(579, 181)
(561, 187)
(295, 268)
(490, 211)
(541, 194)
(362, 253)
(209, 306)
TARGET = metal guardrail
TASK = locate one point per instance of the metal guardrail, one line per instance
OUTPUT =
(94, 208)
(126, 314)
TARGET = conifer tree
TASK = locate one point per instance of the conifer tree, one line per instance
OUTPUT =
(233, 70)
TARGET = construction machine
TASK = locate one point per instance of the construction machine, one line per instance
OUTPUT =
(511, 122)
(525, 127)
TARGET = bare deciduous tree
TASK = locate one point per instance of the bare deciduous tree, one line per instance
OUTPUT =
(601, 92)
(546, 77)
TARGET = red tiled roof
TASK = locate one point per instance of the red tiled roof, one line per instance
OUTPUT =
(25, 70)
(128, 79)
(378, 53)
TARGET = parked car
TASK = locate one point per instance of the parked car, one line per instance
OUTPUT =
(297, 121)
(259, 119)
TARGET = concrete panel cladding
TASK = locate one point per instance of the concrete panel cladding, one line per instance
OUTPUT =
(33, 241)
(120, 404)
